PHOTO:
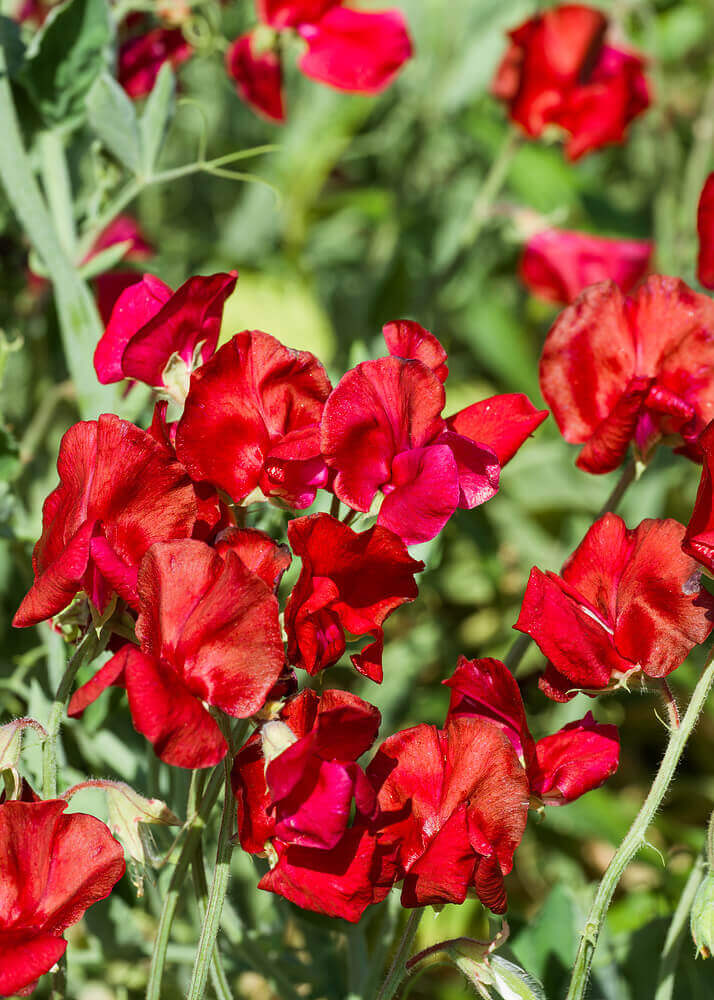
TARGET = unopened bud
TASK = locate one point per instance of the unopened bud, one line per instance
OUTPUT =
(276, 737)
(702, 917)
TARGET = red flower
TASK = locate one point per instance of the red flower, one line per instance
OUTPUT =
(625, 602)
(119, 492)
(358, 51)
(557, 70)
(453, 806)
(141, 58)
(615, 370)
(699, 536)
(295, 781)
(53, 867)
(705, 230)
(560, 768)
(209, 634)
(558, 265)
(158, 336)
(350, 582)
(382, 430)
(251, 421)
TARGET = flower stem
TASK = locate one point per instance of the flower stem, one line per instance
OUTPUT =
(635, 838)
(190, 845)
(218, 977)
(90, 646)
(675, 933)
(217, 895)
(491, 187)
(397, 970)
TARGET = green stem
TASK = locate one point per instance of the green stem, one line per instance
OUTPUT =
(217, 895)
(635, 837)
(397, 969)
(710, 843)
(190, 845)
(90, 646)
(218, 977)
(80, 325)
(675, 933)
(58, 188)
(491, 187)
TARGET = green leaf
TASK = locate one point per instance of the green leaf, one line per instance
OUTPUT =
(105, 260)
(12, 43)
(155, 121)
(65, 58)
(112, 117)
(9, 455)
(512, 982)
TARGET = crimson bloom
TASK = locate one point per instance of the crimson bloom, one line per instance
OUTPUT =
(705, 231)
(641, 368)
(558, 264)
(251, 421)
(558, 70)
(209, 635)
(295, 781)
(53, 867)
(699, 536)
(358, 51)
(158, 336)
(141, 58)
(382, 430)
(560, 768)
(627, 601)
(350, 582)
(453, 805)
(119, 492)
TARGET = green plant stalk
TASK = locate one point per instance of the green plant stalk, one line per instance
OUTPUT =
(218, 977)
(676, 930)
(80, 325)
(90, 647)
(397, 970)
(58, 188)
(191, 844)
(635, 838)
(217, 895)
(491, 187)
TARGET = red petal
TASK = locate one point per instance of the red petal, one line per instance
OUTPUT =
(423, 493)
(705, 231)
(478, 469)
(501, 423)
(258, 552)
(111, 674)
(141, 58)
(406, 339)
(256, 824)
(24, 959)
(699, 538)
(576, 759)
(356, 50)
(281, 14)
(139, 303)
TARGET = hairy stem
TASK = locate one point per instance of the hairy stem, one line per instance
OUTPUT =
(397, 969)
(676, 930)
(635, 838)
(218, 977)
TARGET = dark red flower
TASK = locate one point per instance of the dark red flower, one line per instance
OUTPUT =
(257, 551)
(382, 431)
(209, 635)
(357, 51)
(626, 602)
(158, 336)
(558, 264)
(295, 781)
(119, 492)
(53, 867)
(141, 58)
(558, 71)
(561, 767)
(705, 231)
(453, 806)
(350, 582)
(699, 536)
(641, 368)
(251, 421)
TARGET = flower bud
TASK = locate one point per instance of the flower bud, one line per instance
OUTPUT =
(702, 917)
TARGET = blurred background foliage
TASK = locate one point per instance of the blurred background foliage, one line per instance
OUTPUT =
(368, 215)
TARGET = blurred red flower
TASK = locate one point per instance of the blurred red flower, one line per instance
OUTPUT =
(141, 58)
(705, 230)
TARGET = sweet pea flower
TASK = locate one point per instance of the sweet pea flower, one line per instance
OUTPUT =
(295, 781)
(141, 58)
(350, 582)
(209, 636)
(251, 421)
(53, 867)
(119, 492)
(627, 602)
(453, 805)
(699, 536)
(352, 50)
(617, 369)
(705, 231)
(559, 264)
(158, 336)
(560, 768)
(383, 431)
(559, 70)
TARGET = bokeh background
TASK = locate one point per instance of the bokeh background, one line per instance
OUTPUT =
(364, 213)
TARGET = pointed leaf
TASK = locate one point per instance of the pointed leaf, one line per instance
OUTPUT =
(513, 982)
(155, 121)
(113, 118)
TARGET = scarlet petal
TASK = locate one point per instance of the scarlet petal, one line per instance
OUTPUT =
(280, 14)
(258, 77)
(256, 823)
(501, 423)
(407, 339)
(576, 759)
(355, 50)
(141, 58)
(22, 962)
(423, 493)
(59, 581)
(112, 673)
(139, 303)
(699, 537)
(606, 448)
(705, 231)
(258, 552)
(478, 469)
